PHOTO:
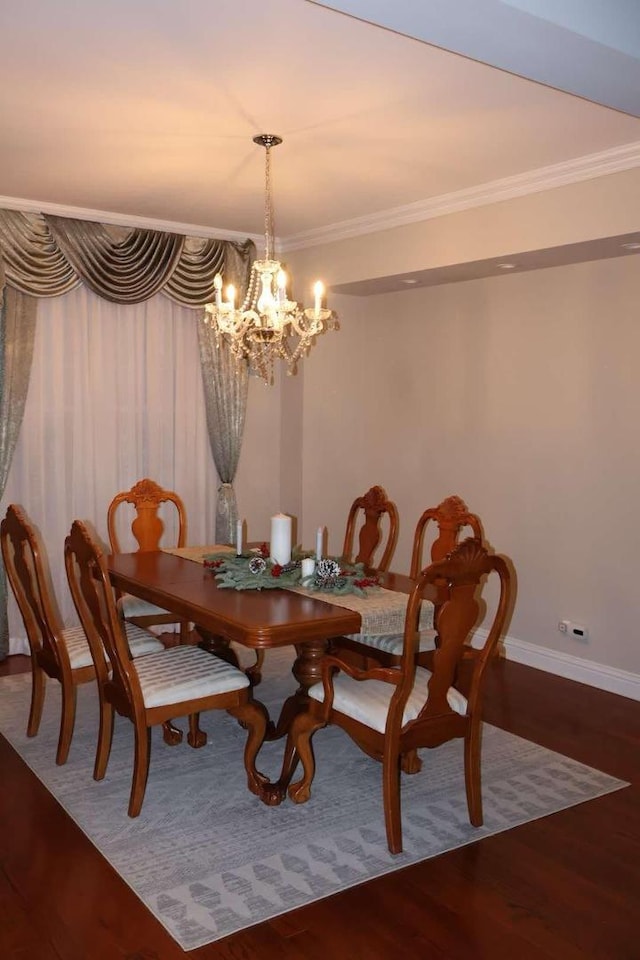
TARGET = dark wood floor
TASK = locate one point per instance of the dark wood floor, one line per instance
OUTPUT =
(566, 887)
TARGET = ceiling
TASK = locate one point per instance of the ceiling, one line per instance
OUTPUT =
(144, 112)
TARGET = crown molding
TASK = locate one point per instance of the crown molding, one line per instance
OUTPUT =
(534, 181)
(563, 174)
(123, 220)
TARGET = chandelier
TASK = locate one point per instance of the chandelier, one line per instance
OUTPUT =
(267, 325)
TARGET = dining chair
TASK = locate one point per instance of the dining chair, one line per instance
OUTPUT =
(368, 511)
(182, 681)
(448, 520)
(59, 652)
(146, 497)
(390, 712)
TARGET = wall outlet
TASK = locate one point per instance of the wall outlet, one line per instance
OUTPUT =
(575, 630)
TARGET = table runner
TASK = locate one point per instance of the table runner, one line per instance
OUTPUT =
(382, 611)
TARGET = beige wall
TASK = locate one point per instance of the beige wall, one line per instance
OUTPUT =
(518, 393)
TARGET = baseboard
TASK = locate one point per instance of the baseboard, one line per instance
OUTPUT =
(599, 675)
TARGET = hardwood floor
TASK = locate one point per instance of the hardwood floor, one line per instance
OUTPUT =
(566, 886)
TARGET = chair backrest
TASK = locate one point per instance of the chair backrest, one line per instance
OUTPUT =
(27, 566)
(450, 517)
(374, 504)
(94, 600)
(465, 571)
(147, 527)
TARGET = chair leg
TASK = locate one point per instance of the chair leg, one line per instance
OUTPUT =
(196, 737)
(472, 777)
(299, 747)
(38, 690)
(171, 734)
(105, 737)
(391, 801)
(140, 767)
(67, 721)
(184, 631)
(254, 717)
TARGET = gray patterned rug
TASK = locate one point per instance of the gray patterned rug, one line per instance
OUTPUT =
(208, 858)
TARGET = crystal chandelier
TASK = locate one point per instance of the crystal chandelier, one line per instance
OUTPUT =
(267, 325)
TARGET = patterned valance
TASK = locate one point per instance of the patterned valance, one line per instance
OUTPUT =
(45, 256)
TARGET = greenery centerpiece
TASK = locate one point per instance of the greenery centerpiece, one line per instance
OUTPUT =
(256, 570)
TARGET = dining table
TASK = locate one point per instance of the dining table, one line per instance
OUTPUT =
(255, 619)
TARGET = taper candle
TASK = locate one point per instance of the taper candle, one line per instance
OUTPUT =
(239, 537)
(319, 539)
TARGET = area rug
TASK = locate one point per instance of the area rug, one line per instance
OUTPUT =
(208, 859)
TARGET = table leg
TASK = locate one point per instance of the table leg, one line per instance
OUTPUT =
(307, 670)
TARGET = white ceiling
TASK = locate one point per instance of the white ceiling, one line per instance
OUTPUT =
(122, 110)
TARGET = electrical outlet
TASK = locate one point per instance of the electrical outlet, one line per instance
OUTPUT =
(575, 630)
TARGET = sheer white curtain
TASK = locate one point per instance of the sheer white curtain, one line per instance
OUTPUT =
(115, 395)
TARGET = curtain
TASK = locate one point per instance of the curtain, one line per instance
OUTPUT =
(48, 256)
(17, 327)
(226, 384)
(115, 395)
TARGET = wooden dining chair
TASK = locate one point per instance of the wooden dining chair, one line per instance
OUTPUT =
(369, 510)
(59, 652)
(180, 681)
(391, 712)
(146, 497)
(448, 520)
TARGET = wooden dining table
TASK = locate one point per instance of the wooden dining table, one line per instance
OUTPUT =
(256, 619)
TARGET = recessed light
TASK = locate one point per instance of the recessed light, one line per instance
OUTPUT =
(506, 266)
(632, 246)
(409, 280)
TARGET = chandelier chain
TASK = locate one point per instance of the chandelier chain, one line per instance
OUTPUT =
(268, 205)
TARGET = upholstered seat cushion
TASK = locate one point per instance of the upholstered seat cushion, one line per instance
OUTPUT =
(141, 642)
(392, 642)
(367, 701)
(130, 606)
(186, 673)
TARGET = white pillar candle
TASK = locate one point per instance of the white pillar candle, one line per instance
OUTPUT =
(239, 537)
(281, 538)
(308, 567)
(319, 539)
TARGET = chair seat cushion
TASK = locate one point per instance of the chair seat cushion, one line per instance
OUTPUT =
(141, 642)
(130, 606)
(75, 640)
(392, 642)
(367, 701)
(185, 673)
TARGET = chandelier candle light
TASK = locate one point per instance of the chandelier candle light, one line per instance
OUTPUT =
(267, 325)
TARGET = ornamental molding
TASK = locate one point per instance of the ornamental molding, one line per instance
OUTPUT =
(589, 167)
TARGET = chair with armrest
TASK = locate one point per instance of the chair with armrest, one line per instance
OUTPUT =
(147, 527)
(449, 519)
(391, 712)
(59, 652)
(180, 681)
